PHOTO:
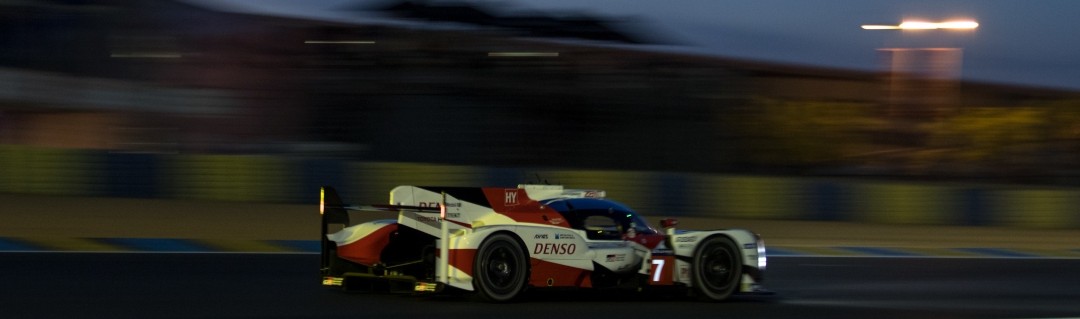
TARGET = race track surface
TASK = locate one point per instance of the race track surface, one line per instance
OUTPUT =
(200, 285)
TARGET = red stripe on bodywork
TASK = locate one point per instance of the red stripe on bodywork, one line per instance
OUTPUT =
(650, 241)
(560, 275)
(366, 250)
(463, 259)
(516, 204)
(462, 224)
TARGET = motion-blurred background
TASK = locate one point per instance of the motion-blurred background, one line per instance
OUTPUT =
(198, 100)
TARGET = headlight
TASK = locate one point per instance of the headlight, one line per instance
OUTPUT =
(761, 258)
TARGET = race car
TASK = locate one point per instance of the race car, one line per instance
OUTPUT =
(499, 242)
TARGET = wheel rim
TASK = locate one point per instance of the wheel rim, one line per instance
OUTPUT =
(500, 268)
(717, 268)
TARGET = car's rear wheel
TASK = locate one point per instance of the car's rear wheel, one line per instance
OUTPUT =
(717, 268)
(501, 268)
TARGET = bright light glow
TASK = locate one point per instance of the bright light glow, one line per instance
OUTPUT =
(958, 25)
(762, 259)
(918, 25)
(322, 200)
(923, 25)
(523, 54)
(339, 42)
(879, 27)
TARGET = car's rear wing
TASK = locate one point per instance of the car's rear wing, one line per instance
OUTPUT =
(334, 211)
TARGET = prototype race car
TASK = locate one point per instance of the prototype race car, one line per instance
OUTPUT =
(501, 241)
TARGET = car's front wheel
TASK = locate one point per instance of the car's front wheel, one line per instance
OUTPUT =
(501, 268)
(717, 268)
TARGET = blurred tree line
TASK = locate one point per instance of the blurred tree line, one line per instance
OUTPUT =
(1037, 142)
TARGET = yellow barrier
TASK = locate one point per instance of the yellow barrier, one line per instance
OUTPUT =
(248, 178)
(897, 203)
(370, 182)
(228, 178)
(49, 171)
(748, 197)
(1040, 208)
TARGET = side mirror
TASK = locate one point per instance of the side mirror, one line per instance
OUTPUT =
(668, 223)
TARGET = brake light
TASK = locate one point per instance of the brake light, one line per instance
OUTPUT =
(442, 207)
(322, 200)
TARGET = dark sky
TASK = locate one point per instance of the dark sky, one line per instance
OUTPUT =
(1018, 42)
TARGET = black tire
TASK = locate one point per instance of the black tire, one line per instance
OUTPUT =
(501, 268)
(717, 268)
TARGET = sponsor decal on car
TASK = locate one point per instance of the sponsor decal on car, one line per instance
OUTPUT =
(564, 236)
(616, 257)
(554, 249)
(427, 219)
(435, 204)
(511, 197)
(686, 239)
(544, 236)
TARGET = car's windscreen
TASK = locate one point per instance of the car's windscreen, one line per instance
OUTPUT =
(607, 223)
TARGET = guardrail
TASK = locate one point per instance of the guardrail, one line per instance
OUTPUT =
(256, 178)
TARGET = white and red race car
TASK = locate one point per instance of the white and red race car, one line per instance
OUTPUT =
(501, 241)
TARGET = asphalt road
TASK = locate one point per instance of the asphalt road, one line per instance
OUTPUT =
(135, 285)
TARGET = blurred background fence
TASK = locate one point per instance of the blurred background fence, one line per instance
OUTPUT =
(187, 100)
(281, 179)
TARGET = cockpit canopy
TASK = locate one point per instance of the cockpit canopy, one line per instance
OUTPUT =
(601, 219)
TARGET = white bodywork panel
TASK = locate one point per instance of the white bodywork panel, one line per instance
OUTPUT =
(686, 243)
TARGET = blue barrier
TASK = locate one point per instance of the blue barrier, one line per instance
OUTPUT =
(975, 208)
(132, 175)
(315, 174)
(830, 201)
